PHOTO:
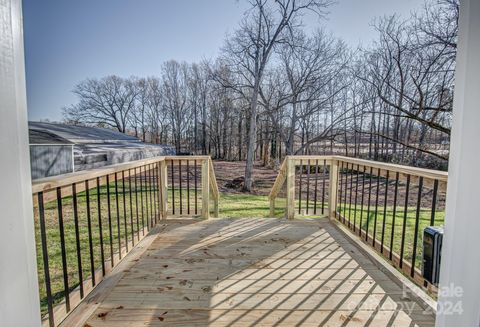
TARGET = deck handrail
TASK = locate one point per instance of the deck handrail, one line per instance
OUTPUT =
(364, 194)
(50, 183)
(334, 160)
(110, 210)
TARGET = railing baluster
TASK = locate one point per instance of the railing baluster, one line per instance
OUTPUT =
(394, 213)
(119, 237)
(316, 188)
(63, 249)
(139, 175)
(180, 185)
(345, 194)
(147, 211)
(434, 202)
(124, 210)
(368, 205)
(99, 208)
(188, 187)
(324, 177)
(77, 239)
(402, 245)
(308, 185)
(151, 180)
(46, 268)
(300, 188)
(340, 187)
(131, 206)
(356, 198)
(417, 220)
(376, 209)
(110, 231)
(161, 191)
(350, 197)
(142, 207)
(363, 198)
(173, 188)
(196, 185)
(152, 215)
(156, 191)
(89, 226)
(384, 211)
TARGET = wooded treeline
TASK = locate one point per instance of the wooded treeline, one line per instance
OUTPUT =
(277, 90)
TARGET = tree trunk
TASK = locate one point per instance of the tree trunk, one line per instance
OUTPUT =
(252, 134)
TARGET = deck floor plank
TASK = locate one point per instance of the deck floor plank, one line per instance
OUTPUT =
(255, 272)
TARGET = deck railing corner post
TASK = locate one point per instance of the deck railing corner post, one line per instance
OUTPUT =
(290, 176)
(332, 199)
(205, 189)
(272, 206)
(164, 188)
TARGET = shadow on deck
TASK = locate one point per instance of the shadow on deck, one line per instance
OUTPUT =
(248, 272)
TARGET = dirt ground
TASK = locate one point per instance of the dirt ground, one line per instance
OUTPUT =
(226, 171)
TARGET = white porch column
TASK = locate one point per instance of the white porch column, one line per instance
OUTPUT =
(460, 265)
(19, 301)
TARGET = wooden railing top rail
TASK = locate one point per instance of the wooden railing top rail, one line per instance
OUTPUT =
(415, 171)
(213, 181)
(50, 183)
(277, 185)
(187, 157)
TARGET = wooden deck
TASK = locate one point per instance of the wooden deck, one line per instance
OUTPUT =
(249, 272)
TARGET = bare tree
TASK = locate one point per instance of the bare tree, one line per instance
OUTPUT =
(267, 24)
(107, 101)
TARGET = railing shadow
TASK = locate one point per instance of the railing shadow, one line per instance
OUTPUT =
(256, 272)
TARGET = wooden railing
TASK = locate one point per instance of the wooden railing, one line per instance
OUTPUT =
(386, 205)
(86, 222)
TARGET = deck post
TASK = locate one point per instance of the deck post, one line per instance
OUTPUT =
(272, 207)
(163, 187)
(213, 184)
(290, 212)
(332, 195)
(19, 299)
(205, 189)
(460, 264)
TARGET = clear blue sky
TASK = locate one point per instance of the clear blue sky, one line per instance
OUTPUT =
(67, 41)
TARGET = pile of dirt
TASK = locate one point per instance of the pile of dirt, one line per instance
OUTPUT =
(236, 183)
(230, 177)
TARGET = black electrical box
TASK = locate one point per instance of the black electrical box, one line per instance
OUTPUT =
(432, 248)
